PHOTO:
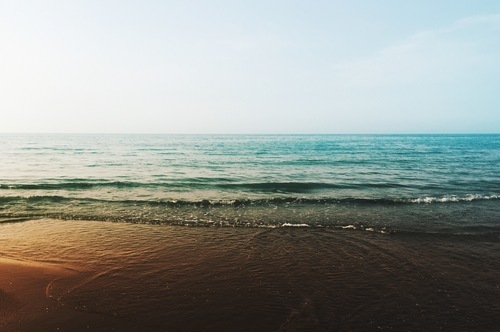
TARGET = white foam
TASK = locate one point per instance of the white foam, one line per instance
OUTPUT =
(348, 227)
(294, 225)
(453, 198)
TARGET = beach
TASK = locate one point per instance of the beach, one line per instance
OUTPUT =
(249, 166)
(105, 276)
(26, 303)
(249, 232)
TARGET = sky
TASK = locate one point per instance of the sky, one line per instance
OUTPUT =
(263, 67)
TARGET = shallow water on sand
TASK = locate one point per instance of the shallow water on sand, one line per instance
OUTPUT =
(183, 278)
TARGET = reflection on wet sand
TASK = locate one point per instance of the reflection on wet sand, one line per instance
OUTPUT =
(24, 290)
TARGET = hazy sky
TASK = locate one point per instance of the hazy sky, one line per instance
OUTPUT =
(387, 66)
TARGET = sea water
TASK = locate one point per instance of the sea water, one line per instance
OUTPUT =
(416, 183)
(254, 232)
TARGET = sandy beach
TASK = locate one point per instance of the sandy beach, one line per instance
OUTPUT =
(24, 295)
(26, 303)
(102, 276)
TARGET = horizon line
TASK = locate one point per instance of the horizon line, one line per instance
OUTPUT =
(246, 134)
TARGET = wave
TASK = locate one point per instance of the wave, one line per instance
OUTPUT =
(202, 183)
(441, 215)
(267, 201)
(71, 185)
(452, 198)
(228, 185)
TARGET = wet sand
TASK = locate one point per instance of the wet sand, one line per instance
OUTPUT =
(23, 292)
(26, 303)
(100, 276)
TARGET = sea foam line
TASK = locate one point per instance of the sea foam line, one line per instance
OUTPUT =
(453, 198)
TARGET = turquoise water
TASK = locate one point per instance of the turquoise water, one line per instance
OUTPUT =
(417, 183)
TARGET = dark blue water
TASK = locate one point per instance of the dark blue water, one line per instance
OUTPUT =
(418, 183)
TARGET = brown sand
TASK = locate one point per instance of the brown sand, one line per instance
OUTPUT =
(27, 305)
(128, 277)
(24, 291)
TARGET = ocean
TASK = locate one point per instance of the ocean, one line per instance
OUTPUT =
(260, 232)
